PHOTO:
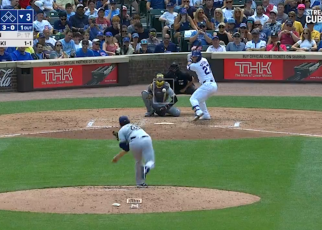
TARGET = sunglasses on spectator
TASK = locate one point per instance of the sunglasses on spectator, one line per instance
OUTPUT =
(59, 45)
(220, 27)
(124, 31)
(291, 16)
(63, 19)
(243, 27)
(305, 33)
(166, 38)
(229, 2)
(201, 12)
(257, 24)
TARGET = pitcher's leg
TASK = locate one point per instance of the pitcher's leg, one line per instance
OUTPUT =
(139, 166)
(148, 153)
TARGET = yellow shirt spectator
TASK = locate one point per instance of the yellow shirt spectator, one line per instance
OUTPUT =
(29, 50)
(297, 26)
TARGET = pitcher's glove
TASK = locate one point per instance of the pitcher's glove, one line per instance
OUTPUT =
(116, 135)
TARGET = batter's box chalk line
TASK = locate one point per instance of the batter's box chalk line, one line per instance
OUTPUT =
(91, 123)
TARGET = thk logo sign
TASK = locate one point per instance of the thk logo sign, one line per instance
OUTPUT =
(257, 68)
(51, 75)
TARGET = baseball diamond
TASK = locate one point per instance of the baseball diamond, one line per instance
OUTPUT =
(254, 165)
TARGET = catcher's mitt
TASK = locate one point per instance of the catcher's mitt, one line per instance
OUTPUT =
(116, 135)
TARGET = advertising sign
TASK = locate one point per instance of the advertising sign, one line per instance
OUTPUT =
(303, 70)
(253, 69)
(5, 78)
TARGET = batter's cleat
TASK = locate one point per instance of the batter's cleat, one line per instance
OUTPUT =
(198, 114)
(204, 118)
(144, 185)
(146, 171)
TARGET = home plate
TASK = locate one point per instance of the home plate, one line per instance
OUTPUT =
(164, 123)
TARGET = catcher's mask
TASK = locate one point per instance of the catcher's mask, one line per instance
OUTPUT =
(174, 67)
(159, 80)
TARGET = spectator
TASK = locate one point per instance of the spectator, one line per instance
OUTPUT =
(236, 44)
(40, 24)
(200, 17)
(92, 29)
(209, 9)
(125, 33)
(23, 4)
(264, 34)
(200, 36)
(281, 17)
(62, 5)
(256, 44)
(275, 43)
(100, 37)
(152, 39)
(87, 38)
(142, 32)
(110, 46)
(112, 11)
(68, 43)
(39, 54)
(239, 17)
(260, 15)
(297, 25)
(314, 34)
(90, 9)
(223, 34)
(231, 23)
(215, 47)
(229, 9)
(21, 55)
(126, 18)
(77, 37)
(301, 17)
(144, 47)
(306, 43)
(127, 49)
(155, 4)
(268, 7)
(58, 51)
(61, 25)
(244, 34)
(250, 24)
(115, 28)
(79, 20)
(290, 6)
(84, 51)
(218, 18)
(248, 10)
(318, 25)
(69, 10)
(4, 56)
(168, 18)
(218, 4)
(49, 39)
(166, 46)
(96, 48)
(272, 25)
(315, 3)
(36, 6)
(288, 36)
(183, 22)
(49, 6)
(136, 18)
(188, 7)
(13, 4)
(101, 21)
(307, 4)
(46, 47)
(136, 44)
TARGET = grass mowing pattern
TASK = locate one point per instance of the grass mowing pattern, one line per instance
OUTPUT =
(301, 103)
(285, 172)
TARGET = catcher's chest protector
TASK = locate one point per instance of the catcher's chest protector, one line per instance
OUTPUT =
(160, 96)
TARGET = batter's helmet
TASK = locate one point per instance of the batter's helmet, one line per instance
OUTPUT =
(196, 53)
(123, 120)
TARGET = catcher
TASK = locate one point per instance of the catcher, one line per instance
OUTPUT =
(133, 137)
(157, 98)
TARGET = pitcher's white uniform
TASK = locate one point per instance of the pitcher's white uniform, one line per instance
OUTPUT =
(141, 146)
(207, 89)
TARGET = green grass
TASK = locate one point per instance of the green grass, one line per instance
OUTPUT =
(301, 103)
(285, 172)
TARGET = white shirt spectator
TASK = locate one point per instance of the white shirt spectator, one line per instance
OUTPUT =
(264, 18)
(88, 13)
(5, 3)
(212, 49)
(253, 45)
(48, 4)
(40, 26)
(169, 17)
(228, 13)
(51, 41)
(89, 46)
(306, 44)
(195, 2)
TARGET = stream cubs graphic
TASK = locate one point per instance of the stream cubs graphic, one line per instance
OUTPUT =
(251, 69)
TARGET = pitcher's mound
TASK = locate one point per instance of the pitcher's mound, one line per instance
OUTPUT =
(99, 200)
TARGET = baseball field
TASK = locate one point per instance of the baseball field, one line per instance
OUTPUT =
(255, 166)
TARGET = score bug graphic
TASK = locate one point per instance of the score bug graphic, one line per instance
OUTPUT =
(16, 28)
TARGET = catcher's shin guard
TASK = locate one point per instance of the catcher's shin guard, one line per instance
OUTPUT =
(147, 102)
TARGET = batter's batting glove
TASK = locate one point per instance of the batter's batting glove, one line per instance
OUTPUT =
(116, 135)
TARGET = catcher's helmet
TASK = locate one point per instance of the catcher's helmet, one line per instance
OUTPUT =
(159, 80)
(196, 53)
(123, 120)
(174, 67)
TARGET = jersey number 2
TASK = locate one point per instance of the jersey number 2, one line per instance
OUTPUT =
(134, 127)
(206, 69)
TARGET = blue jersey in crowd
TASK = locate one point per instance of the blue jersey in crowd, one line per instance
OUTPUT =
(5, 57)
(18, 56)
(99, 53)
(80, 53)
(68, 46)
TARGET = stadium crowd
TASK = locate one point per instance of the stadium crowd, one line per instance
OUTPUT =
(88, 28)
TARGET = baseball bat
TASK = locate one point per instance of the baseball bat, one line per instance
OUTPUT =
(118, 156)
